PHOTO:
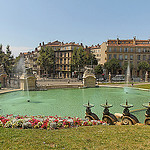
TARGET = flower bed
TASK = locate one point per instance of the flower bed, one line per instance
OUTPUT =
(44, 122)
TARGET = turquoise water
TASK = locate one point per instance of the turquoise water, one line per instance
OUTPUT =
(69, 102)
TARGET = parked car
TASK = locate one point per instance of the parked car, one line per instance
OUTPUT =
(118, 78)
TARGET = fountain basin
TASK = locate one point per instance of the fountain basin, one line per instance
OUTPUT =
(69, 102)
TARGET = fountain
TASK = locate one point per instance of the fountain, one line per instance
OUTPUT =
(107, 116)
(64, 102)
(127, 118)
(89, 114)
(89, 78)
(147, 114)
(128, 75)
(28, 81)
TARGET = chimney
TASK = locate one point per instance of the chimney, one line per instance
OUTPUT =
(117, 41)
(82, 44)
(43, 43)
(40, 44)
(134, 40)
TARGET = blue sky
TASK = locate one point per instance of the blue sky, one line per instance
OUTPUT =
(26, 23)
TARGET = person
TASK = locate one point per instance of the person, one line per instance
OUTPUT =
(132, 83)
(68, 81)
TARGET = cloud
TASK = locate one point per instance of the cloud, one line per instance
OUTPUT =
(17, 50)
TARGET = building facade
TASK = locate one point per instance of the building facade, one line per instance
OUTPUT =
(130, 51)
(100, 52)
(63, 54)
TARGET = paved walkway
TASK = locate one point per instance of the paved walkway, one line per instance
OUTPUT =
(7, 90)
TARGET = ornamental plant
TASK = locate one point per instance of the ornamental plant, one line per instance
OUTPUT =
(44, 122)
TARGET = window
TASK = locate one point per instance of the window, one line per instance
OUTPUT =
(64, 54)
(64, 75)
(138, 57)
(68, 74)
(125, 57)
(131, 49)
(60, 74)
(68, 60)
(109, 49)
(61, 61)
(125, 49)
(139, 50)
(64, 67)
(115, 49)
(60, 67)
(120, 49)
(115, 56)
(109, 56)
(68, 67)
(60, 54)
(144, 57)
(120, 57)
(144, 50)
(68, 54)
(131, 57)
(65, 61)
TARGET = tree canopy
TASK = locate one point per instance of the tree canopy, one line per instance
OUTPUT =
(112, 65)
(81, 58)
(46, 58)
(124, 67)
(144, 66)
(7, 60)
(98, 69)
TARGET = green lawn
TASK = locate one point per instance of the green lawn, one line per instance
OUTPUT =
(144, 86)
(90, 137)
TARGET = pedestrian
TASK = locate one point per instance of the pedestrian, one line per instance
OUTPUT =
(132, 83)
(68, 81)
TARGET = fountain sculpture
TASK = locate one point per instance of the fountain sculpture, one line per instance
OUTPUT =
(89, 78)
(28, 81)
(107, 116)
(147, 114)
(127, 118)
(89, 114)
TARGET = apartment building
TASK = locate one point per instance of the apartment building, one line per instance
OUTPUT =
(63, 53)
(132, 51)
(100, 52)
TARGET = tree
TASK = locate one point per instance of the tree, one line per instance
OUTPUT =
(91, 59)
(1, 53)
(98, 70)
(8, 61)
(125, 66)
(46, 59)
(143, 66)
(81, 58)
(112, 65)
(74, 60)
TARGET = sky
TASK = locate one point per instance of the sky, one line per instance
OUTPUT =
(26, 23)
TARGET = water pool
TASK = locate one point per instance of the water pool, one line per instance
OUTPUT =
(69, 102)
